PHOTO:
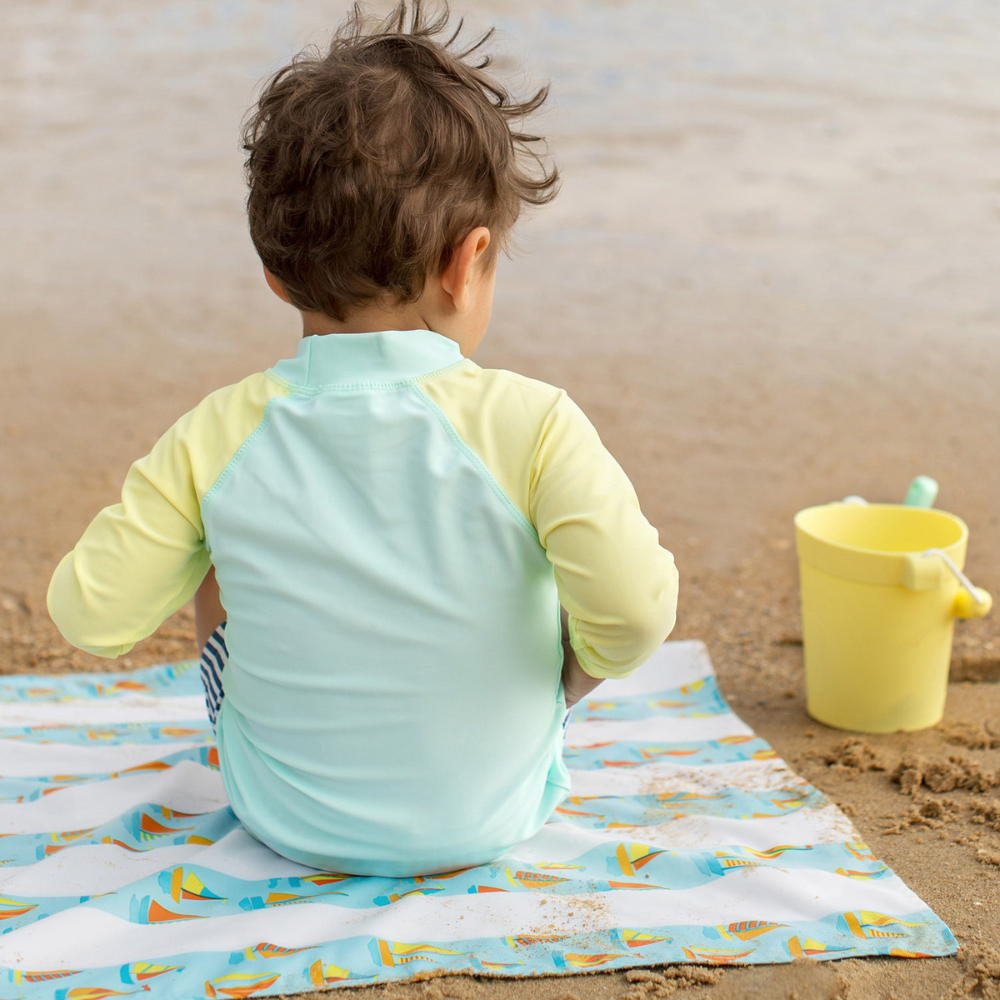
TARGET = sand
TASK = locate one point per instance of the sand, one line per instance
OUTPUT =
(769, 280)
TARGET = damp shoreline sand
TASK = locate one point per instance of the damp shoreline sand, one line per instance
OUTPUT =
(769, 280)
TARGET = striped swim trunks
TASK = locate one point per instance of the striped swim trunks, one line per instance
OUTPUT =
(213, 660)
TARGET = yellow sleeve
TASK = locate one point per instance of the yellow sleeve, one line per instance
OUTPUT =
(143, 558)
(615, 581)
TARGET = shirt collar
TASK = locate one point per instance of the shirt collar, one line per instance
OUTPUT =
(352, 358)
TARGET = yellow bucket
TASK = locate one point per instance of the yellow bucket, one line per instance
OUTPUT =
(881, 588)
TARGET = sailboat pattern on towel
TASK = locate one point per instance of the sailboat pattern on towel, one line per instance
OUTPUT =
(685, 839)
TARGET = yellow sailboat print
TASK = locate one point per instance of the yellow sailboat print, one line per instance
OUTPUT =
(808, 948)
(393, 953)
(139, 972)
(326, 975)
(715, 956)
(240, 985)
(10, 908)
(746, 930)
(189, 886)
(637, 939)
(589, 961)
(868, 924)
(533, 880)
(632, 857)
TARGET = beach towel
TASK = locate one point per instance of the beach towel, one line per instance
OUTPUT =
(685, 839)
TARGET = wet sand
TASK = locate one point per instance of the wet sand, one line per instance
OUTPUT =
(769, 279)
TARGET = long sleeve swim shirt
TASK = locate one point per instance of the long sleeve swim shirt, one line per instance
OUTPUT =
(393, 529)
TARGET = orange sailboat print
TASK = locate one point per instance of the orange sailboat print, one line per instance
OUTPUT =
(793, 801)
(68, 836)
(24, 976)
(153, 765)
(728, 863)
(187, 886)
(863, 876)
(148, 911)
(325, 878)
(104, 840)
(533, 880)
(639, 939)
(633, 885)
(868, 924)
(632, 857)
(860, 850)
(577, 800)
(239, 986)
(395, 897)
(586, 961)
(139, 972)
(652, 753)
(95, 993)
(121, 687)
(393, 953)
(326, 975)
(268, 951)
(10, 908)
(285, 898)
(526, 940)
(149, 828)
(682, 798)
(775, 852)
(715, 956)
(808, 948)
(746, 930)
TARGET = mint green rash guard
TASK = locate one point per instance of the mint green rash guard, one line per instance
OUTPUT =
(392, 529)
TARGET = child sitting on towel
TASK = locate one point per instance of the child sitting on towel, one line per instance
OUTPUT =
(389, 528)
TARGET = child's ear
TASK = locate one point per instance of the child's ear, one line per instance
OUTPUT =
(275, 286)
(465, 261)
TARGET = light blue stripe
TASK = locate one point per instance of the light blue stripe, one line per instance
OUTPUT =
(361, 959)
(600, 812)
(127, 829)
(28, 789)
(111, 734)
(638, 753)
(675, 703)
(172, 680)
(599, 870)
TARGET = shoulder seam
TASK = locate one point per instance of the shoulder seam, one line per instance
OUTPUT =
(442, 372)
(478, 464)
(248, 441)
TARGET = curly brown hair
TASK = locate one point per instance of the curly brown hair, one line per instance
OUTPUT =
(368, 164)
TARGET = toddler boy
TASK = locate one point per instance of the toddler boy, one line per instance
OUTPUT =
(392, 528)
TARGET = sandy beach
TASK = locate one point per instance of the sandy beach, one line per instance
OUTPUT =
(769, 279)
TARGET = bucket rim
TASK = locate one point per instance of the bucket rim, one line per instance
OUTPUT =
(963, 527)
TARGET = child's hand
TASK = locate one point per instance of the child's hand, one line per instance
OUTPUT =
(576, 683)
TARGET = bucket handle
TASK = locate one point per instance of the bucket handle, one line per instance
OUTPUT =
(963, 609)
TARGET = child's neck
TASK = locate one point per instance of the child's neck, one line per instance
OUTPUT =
(466, 330)
(367, 319)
